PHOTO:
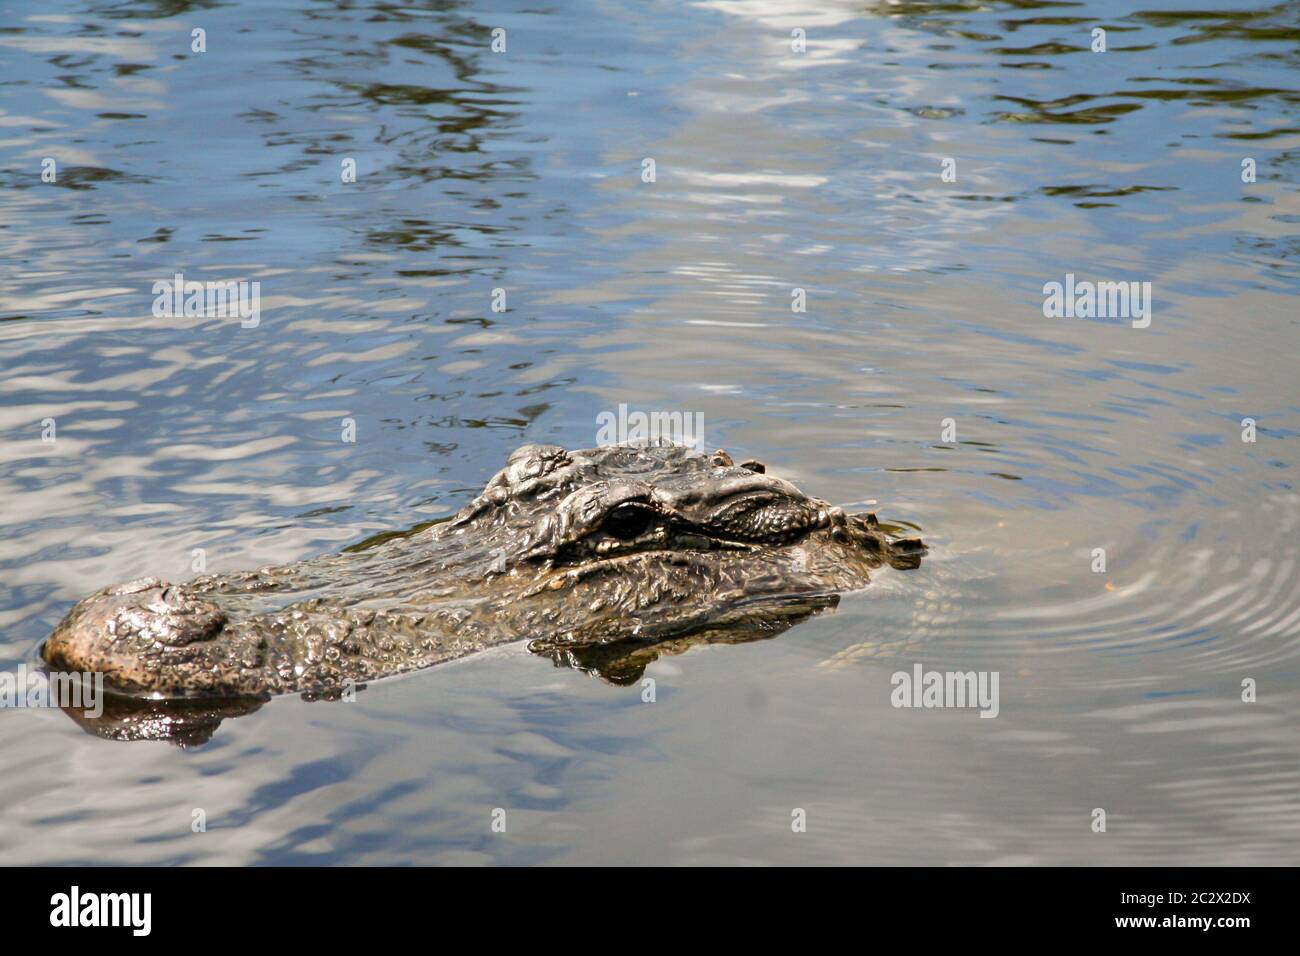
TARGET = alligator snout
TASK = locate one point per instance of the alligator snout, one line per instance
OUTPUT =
(124, 630)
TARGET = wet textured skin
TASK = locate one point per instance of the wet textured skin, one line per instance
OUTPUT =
(603, 558)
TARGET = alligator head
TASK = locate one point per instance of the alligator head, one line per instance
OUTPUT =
(601, 558)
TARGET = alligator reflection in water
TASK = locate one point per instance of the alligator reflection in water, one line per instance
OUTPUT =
(602, 558)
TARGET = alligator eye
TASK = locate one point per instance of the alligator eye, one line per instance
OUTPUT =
(628, 521)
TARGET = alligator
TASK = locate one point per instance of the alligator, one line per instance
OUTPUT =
(601, 558)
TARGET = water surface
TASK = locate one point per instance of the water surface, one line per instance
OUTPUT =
(774, 171)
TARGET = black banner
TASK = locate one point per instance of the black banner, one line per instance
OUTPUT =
(940, 904)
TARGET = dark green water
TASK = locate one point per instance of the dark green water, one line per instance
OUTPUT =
(775, 170)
